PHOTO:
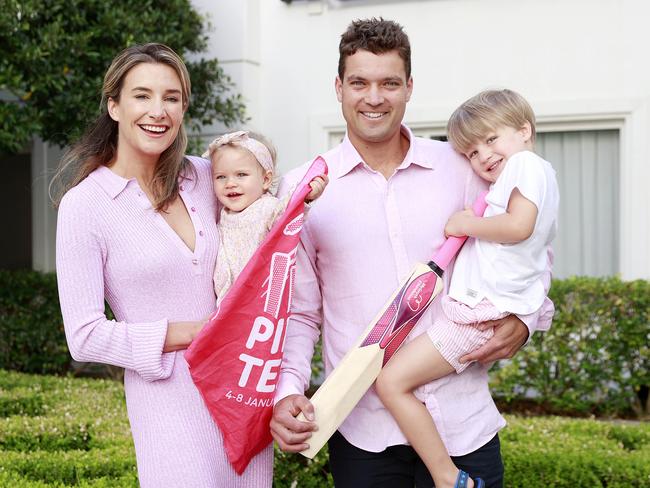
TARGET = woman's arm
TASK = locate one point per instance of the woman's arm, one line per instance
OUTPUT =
(91, 337)
(515, 225)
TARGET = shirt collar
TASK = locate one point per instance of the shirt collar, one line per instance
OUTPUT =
(113, 184)
(350, 157)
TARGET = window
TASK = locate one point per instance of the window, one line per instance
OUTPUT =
(587, 165)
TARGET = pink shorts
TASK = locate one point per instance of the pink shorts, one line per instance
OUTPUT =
(455, 333)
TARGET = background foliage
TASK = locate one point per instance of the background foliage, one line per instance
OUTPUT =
(594, 360)
(596, 357)
(54, 53)
(31, 327)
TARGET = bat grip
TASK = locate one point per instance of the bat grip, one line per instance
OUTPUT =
(453, 244)
(318, 167)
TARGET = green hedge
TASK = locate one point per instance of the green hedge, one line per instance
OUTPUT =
(31, 328)
(596, 357)
(561, 452)
(81, 438)
(594, 360)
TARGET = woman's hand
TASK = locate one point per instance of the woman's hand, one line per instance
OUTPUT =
(317, 185)
(181, 334)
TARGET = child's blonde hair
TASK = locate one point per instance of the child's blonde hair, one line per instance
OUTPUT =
(238, 139)
(484, 112)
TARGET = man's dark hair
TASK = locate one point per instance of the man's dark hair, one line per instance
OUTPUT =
(377, 36)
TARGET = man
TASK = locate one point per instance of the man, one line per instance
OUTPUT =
(389, 197)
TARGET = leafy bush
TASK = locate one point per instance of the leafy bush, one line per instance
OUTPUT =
(53, 55)
(537, 452)
(80, 437)
(560, 452)
(595, 358)
(21, 402)
(293, 470)
(31, 327)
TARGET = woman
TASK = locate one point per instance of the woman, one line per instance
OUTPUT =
(136, 227)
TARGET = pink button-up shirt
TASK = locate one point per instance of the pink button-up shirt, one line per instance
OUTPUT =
(362, 237)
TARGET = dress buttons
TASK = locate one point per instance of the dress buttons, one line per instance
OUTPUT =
(195, 261)
(201, 233)
(193, 209)
(182, 188)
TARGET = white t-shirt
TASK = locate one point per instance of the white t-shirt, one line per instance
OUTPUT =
(509, 275)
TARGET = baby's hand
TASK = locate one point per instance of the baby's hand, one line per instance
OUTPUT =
(317, 185)
(456, 223)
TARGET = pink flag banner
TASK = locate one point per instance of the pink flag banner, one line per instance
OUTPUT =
(235, 360)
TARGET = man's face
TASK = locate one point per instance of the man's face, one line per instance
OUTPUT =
(373, 96)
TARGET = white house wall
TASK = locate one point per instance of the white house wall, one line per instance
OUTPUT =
(583, 64)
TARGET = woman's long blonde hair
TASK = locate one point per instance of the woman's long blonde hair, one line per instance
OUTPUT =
(98, 145)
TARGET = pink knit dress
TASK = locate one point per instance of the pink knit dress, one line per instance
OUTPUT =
(112, 245)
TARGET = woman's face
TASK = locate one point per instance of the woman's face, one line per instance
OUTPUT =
(149, 112)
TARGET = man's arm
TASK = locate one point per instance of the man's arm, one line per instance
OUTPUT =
(302, 334)
(303, 331)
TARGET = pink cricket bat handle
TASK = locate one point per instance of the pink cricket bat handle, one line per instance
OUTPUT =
(318, 167)
(453, 244)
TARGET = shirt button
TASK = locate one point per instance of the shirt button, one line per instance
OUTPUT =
(201, 233)
(193, 209)
(195, 261)
(182, 188)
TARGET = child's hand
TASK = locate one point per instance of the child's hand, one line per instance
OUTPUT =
(457, 223)
(318, 185)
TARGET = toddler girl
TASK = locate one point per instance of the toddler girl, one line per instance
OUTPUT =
(496, 274)
(244, 180)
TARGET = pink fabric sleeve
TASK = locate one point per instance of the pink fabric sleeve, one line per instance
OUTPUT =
(91, 337)
(303, 329)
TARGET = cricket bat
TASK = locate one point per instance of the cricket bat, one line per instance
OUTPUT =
(359, 368)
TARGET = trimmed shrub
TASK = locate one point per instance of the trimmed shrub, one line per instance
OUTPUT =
(21, 401)
(538, 452)
(31, 327)
(596, 357)
(563, 453)
(79, 437)
(70, 467)
(45, 434)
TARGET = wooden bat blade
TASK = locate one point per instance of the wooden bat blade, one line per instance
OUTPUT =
(341, 391)
(359, 368)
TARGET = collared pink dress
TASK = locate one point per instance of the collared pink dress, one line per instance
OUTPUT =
(111, 244)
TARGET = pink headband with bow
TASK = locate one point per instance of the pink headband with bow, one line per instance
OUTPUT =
(240, 138)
